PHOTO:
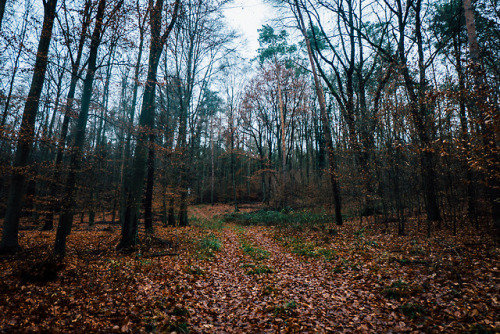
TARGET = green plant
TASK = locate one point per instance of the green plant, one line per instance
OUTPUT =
(261, 269)
(360, 233)
(400, 289)
(180, 311)
(207, 224)
(481, 329)
(208, 245)
(268, 290)
(180, 327)
(255, 253)
(287, 217)
(194, 270)
(373, 244)
(308, 249)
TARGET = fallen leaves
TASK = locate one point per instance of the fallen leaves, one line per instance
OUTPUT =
(304, 281)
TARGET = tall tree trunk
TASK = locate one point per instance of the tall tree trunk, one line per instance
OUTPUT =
(10, 241)
(130, 215)
(61, 144)
(148, 198)
(212, 162)
(2, 11)
(424, 126)
(324, 118)
(66, 218)
(283, 198)
(125, 170)
(485, 114)
(420, 110)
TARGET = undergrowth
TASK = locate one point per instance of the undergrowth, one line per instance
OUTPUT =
(207, 246)
(288, 218)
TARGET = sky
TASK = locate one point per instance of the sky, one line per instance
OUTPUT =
(246, 16)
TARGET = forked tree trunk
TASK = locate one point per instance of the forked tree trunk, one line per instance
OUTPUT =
(75, 68)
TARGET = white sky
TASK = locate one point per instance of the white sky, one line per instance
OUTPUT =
(246, 16)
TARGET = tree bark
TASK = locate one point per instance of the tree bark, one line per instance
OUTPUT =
(10, 241)
(419, 108)
(61, 143)
(66, 218)
(130, 216)
(485, 114)
(148, 198)
(324, 118)
(2, 11)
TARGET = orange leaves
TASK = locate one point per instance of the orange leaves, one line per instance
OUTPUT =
(349, 282)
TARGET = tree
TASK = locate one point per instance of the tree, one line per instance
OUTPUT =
(324, 115)
(130, 216)
(9, 241)
(75, 75)
(272, 47)
(67, 205)
(2, 11)
(485, 114)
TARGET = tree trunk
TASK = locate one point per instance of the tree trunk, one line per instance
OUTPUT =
(10, 241)
(125, 170)
(148, 198)
(75, 68)
(419, 108)
(2, 11)
(485, 114)
(324, 118)
(66, 218)
(130, 216)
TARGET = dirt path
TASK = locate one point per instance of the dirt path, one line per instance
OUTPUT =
(298, 296)
(232, 298)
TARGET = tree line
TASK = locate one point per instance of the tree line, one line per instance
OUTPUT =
(132, 110)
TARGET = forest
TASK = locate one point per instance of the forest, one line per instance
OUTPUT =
(343, 178)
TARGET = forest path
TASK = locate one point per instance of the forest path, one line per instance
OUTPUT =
(255, 285)
(231, 297)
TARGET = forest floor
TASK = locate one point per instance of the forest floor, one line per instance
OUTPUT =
(220, 277)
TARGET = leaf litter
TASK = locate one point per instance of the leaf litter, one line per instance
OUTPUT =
(353, 281)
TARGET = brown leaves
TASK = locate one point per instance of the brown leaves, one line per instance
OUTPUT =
(357, 283)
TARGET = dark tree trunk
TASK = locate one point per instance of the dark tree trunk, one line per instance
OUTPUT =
(2, 11)
(75, 68)
(10, 241)
(125, 168)
(66, 218)
(148, 199)
(130, 216)
(480, 105)
(420, 110)
(170, 212)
